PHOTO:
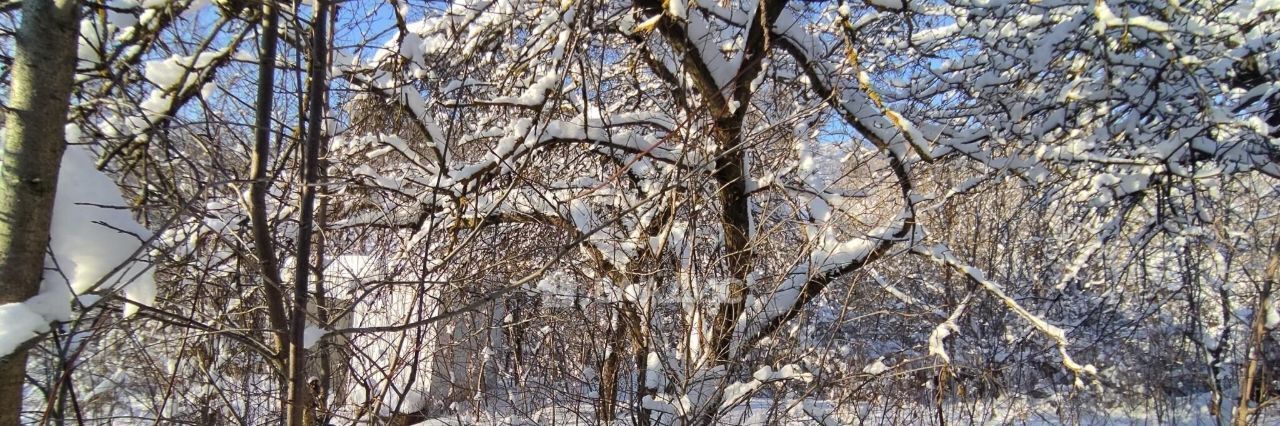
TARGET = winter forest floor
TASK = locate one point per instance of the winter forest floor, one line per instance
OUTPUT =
(1003, 411)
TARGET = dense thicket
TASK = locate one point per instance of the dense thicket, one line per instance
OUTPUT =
(670, 212)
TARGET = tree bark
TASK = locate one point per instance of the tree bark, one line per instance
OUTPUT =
(635, 326)
(42, 77)
(299, 396)
(609, 369)
(1257, 335)
(263, 242)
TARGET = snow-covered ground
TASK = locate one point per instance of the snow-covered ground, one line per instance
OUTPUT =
(1005, 411)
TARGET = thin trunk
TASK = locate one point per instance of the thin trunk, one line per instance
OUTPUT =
(608, 401)
(299, 395)
(1257, 335)
(515, 337)
(634, 326)
(263, 244)
(324, 369)
(42, 77)
(324, 306)
(735, 220)
(491, 371)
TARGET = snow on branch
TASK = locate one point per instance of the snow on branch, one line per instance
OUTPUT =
(829, 260)
(860, 106)
(943, 255)
(937, 338)
(92, 248)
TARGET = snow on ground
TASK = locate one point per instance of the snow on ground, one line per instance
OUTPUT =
(1004, 411)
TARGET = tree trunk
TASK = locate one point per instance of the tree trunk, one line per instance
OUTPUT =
(299, 391)
(609, 370)
(329, 355)
(42, 76)
(263, 243)
(635, 326)
(1257, 335)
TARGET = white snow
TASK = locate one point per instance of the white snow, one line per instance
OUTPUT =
(878, 366)
(887, 4)
(1107, 19)
(1273, 313)
(88, 251)
(21, 323)
(736, 393)
(678, 8)
(169, 72)
(654, 378)
(943, 255)
(312, 335)
(535, 94)
(937, 338)
(85, 251)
